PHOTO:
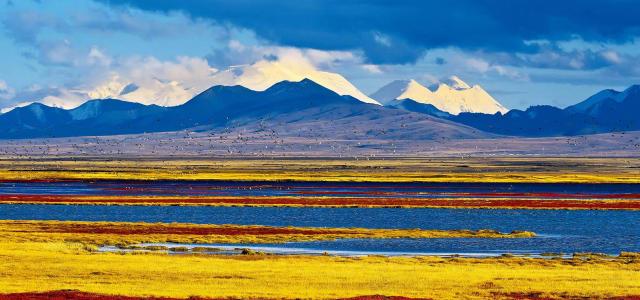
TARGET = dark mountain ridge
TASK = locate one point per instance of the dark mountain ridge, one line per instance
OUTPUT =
(606, 111)
(296, 104)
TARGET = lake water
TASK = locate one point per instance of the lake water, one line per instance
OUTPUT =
(317, 189)
(564, 231)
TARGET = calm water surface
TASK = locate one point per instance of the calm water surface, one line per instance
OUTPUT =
(309, 189)
(559, 230)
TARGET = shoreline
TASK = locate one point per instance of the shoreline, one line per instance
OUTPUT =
(128, 233)
(34, 267)
(328, 202)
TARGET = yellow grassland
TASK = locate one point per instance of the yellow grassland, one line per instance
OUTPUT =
(111, 233)
(34, 257)
(44, 266)
(529, 169)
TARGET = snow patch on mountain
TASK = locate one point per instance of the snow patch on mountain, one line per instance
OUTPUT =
(153, 91)
(456, 83)
(451, 95)
(263, 74)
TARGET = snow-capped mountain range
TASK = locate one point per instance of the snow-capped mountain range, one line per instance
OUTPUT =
(305, 109)
(294, 106)
(298, 94)
(264, 74)
(257, 76)
(450, 95)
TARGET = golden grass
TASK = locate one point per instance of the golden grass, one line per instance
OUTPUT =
(34, 266)
(576, 170)
(116, 233)
(564, 203)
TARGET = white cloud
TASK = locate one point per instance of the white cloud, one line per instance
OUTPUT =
(10, 108)
(74, 71)
(510, 73)
(477, 65)
(64, 53)
(64, 98)
(611, 56)
(430, 79)
(30, 26)
(154, 81)
(481, 66)
(6, 92)
(329, 58)
(97, 57)
(149, 80)
(382, 39)
(238, 53)
(373, 69)
(58, 53)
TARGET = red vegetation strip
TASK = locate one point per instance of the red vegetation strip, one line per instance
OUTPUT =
(332, 201)
(381, 297)
(484, 195)
(538, 296)
(144, 229)
(548, 195)
(77, 295)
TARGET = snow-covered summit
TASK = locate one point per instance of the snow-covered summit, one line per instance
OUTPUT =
(451, 95)
(455, 82)
(263, 74)
(158, 90)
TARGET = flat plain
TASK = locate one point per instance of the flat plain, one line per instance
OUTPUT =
(41, 259)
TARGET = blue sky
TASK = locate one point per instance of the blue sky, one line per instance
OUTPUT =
(522, 52)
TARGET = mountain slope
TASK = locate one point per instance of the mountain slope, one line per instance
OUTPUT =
(591, 104)
(33, 120)
(311, 110)
(112, 110)
(606, 111)
(415, 106)
(451, 95)
(536, 121)
(403, 89)
(170, 88)
(614, 110)
(263, 74)
(462, 98)
(304, 107)
(258, 76)
(95, 117)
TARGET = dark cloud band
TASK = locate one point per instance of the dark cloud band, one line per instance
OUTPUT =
(400, 31)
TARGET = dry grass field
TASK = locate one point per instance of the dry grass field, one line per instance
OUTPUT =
(50, 266)
(528, 169)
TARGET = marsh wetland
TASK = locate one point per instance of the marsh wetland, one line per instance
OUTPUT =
(407, 227)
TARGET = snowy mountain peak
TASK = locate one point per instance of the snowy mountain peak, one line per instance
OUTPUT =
(413, 87)
(263, 74)
(456, 83)
(164, 91)
(401, 89)
(390, 92)
(451, 95)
